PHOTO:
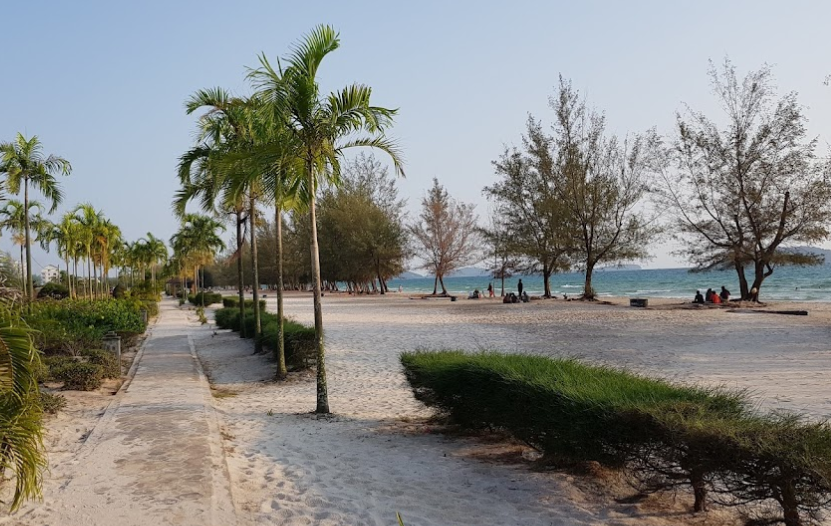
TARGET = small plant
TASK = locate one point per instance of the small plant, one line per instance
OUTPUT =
(52, 403)
(79, 376)
(200, 313)
(106, 359)
(270, 412)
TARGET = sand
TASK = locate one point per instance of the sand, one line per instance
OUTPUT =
(376, 456)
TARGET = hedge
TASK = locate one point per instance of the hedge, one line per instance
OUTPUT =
(298, 339)
(664, 433)
(233, 301)
(80, 376)
(209, 298)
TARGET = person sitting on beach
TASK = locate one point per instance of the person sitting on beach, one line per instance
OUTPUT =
(716, 299)
(474, 295)
(698, 297)
(708, 296)
(725, 294)
(509, 298)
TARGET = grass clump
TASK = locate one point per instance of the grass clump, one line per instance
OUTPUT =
(52, 403)
(666, 434)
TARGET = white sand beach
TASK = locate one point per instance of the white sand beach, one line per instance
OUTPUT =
(377, 456)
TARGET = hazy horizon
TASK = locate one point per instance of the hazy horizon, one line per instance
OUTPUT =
(104, 84)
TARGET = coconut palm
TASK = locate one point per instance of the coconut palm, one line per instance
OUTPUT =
(89, 222)
(320, 129)
(197, 242)
(157, 254)
(25, 165)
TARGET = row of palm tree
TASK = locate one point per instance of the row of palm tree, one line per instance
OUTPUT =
(279, 146)
(194, 246)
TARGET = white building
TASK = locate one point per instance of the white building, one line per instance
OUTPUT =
(50, 273)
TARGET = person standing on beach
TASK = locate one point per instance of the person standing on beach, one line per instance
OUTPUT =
(490, 290)
(725, 294)
(519, 288)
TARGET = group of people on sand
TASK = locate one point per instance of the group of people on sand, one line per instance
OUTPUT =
(712, 296)
(521, 295)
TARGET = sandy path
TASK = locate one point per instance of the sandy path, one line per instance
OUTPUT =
(155, 456)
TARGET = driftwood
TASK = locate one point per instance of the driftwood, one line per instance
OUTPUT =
(788, 312)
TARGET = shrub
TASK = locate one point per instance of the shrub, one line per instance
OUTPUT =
(110, 366)
(209, 298)
(233, 302)
(668, 434)
(151, 306)
(298, 339)
(52, 403)
(71, 325)
(55, 291)
(119, 292)
(79, 376)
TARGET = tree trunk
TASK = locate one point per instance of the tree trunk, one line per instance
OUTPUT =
(322, 388)
(240, 281)
(23, 271)
(699, 486)
(282, 372)
(503, 284)
(546, 282)
(744, 291)
(255, 275)
(790, 505)
(443, 288)
(435, 284)
(68, 278)
(588, 291)
(30, 283)
(758, 278)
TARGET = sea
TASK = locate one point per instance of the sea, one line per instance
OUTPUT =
(786, 283)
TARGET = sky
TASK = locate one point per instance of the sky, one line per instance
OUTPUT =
(103, 83)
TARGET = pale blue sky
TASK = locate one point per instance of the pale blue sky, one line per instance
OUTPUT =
(103, 83)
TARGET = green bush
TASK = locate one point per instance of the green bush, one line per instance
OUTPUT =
(298, 339)
(119, 292)
(233, 302)
(55, 291)
(667, 434)
(68, 326)
(110, 366)
(151, 306)
(145, 291)
(79, 376)
(209, 298)
(52, 403)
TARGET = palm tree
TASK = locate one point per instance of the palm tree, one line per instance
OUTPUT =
(320, 129)
(13, 218)
(24, 164)
(197, 242)
(89, 221)
(157, 253)
(224, 129)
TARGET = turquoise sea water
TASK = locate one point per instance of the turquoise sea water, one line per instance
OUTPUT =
(787, 283)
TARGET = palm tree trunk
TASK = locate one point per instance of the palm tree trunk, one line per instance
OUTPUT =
(30, 284)
(89, 275)
(255, 276)
(322, 389)
(68, 277)
(240, 281)
(22, 271)
(281, 349)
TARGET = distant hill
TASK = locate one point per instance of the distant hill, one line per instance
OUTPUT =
(408, 275)
(470, 272)
(619, 267)
(815, 251)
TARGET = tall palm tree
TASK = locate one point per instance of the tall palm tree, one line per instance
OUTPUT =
(13, 218)
(224, 129)
(157, 254)
(89, 221)
(25, 165)
(322, 128)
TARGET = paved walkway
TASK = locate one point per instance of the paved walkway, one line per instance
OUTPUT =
(155, 458)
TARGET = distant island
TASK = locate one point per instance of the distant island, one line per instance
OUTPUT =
(619, 267)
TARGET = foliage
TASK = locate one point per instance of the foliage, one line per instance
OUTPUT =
(200, 313)
(52, 403)
(55, 291)
(110, 366)
(668, 434)
(151, 306)
(73, 325)
(119, 292)
(78, 375)
(446, 232)
(205, 298)
(233, 302)
(299, 339)
(21, 433)
(740, 193)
